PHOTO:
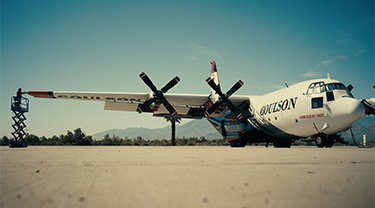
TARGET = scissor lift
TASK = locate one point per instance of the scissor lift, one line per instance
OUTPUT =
(19, 106)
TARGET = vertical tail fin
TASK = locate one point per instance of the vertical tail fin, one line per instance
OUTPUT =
(214, 76)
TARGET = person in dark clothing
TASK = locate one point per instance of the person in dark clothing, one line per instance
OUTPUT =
(19, 93)
(19, 96)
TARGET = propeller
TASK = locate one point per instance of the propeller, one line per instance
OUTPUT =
(224, 98)
(158, 96)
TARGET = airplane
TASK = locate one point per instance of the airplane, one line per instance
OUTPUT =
(316, 109)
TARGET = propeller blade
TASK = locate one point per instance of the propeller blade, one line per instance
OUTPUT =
(211, 109)
(139, 109)
(170, 84)
(214, 86)
(158, 95)
(143, 107)
(169, 107)
(234, 110)
(148, 82)
(235, 87)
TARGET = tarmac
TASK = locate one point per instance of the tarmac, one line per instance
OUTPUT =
(123, 176)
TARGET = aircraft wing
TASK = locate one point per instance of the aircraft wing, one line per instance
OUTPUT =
(186, 105)
(93, 96)
(175, 99)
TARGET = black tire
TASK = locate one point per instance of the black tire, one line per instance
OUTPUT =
(286, 143)
(236, 144)
(241, 143)
(321, 140)
(330, 141)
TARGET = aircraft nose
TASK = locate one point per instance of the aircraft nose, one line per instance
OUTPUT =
(347, 111)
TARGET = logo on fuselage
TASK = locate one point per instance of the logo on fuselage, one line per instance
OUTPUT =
(275, 107)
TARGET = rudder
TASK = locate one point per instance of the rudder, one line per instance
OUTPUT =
(214, 75)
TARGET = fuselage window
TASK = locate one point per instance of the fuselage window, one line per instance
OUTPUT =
(317, 102)
(330, 96)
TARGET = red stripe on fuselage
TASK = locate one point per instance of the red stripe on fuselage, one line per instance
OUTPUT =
(41, 94)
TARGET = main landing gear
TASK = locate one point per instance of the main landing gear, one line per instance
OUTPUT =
(240, 143)
(284, 143)
(323, 140)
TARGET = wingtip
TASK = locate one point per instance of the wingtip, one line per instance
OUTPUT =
(41, 94)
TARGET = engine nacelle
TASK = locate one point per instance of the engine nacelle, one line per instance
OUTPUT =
(220, 108)
(155, 106)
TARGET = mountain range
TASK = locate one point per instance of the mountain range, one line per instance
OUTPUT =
(365, 125)
(195, 128)
(202, 128)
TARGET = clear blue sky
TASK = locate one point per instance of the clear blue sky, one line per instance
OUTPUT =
(104, 45)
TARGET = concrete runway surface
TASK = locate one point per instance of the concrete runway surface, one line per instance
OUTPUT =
(98, 176)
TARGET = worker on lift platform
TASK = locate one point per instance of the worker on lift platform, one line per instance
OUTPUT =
(20, 103)
(19, 106)
(19, 97)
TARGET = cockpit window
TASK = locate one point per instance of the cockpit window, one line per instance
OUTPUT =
(334, 86)
(316, 87)
(338, 86)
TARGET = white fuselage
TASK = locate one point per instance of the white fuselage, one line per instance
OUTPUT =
(307, 108)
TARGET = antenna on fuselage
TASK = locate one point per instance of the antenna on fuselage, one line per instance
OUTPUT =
(328, 77)
(286, 85)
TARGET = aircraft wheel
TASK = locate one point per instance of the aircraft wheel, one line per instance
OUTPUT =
(282, 144)
(320, 140)
(236, 144)
(241, 143)
(330, 141)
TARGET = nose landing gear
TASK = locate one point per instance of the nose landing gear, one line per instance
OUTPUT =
(323, 140)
